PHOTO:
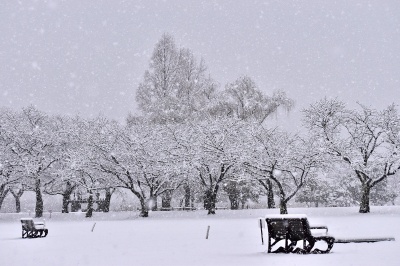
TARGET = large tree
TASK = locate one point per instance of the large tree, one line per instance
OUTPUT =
(243, 100)
(92, 139)
(64, 181)
(215, 146)
(10, 166)
(288, 161)
(365, 140)
(140, 157)
(176, 86)
(36, 143)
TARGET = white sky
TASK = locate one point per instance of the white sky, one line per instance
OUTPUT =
(88, 57)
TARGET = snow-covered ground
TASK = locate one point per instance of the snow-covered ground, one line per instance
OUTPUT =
(179, 238)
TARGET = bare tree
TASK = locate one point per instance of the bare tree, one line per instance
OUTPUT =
(10, 167)
(139, 158)
(214, 148)
(287, 161)
(367, 141)
(243, 100)
(36, 145)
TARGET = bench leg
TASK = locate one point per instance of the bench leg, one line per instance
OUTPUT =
(34, 233)
(269, 245)
(24, 233)
(308, 244)
(46, 231)
(329, 241)
(286, 245)
(311, 243)
(280, 249)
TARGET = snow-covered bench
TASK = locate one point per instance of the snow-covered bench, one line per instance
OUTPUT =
(31, 229)
(294, 228)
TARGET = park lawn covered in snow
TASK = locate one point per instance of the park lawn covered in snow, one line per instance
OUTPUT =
(179, 238)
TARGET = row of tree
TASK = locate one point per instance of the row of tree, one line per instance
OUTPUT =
(56, 155)
(193, 137)
(60, 155)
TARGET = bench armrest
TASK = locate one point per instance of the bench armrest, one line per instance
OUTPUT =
(319, 227)
(39, 225)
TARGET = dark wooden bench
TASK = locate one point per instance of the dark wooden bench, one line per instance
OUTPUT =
(291, 229)
(31, 229)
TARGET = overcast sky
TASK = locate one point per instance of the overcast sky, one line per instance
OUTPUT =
(87, 57)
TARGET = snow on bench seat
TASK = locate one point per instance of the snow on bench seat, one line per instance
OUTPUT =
(286, 216)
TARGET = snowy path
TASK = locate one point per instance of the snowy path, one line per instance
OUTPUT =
(178, 238)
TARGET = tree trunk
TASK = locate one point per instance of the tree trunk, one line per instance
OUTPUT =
(187, 196)
(67, 196)
(39, 200)
(270, 192)
(207, 199)
(364, 204)
(3, 193)
(166, 199)
(283, 208)
(107, 199)
(233, 192)
(270, 197)
(65, 203)
(211, 209)
(211, 199)
(144, 212)
(18, 204)
(17, 196)
(192, 200)
(282, 204)
(89, 211)
(234, 201)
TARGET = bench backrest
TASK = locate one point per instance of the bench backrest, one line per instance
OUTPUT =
(28, 224)
(299, 229)
(277, 228)
(291, 228)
